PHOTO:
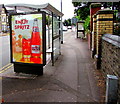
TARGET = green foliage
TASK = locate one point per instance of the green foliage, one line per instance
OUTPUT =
(115, 15)
(117, 29)
(76, 4)
(87, 23)
(82, 10)
(82, 13)
(95, 5)
(67, 22)
(48, 20)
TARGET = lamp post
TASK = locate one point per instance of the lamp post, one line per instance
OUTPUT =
(61, 26)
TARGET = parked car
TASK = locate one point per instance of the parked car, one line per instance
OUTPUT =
(64, 28)
(69, 27)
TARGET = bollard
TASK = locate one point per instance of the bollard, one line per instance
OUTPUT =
(111, 89)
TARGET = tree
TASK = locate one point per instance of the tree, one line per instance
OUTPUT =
(87, 23)
(82, 10)
(67, 22)
(48, 20)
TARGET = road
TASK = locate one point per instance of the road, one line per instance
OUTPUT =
(4, 50)
(70, 80)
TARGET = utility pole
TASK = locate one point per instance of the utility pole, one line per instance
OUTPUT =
(61, 26)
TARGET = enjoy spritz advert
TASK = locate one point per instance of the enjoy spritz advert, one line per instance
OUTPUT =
(27, 38)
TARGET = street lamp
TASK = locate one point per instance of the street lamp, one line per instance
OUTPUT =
(61, 26)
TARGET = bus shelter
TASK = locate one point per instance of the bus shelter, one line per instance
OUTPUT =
(34, 36)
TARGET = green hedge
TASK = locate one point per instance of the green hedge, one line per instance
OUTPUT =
(87, 23)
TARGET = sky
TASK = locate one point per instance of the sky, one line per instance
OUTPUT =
(67, 6)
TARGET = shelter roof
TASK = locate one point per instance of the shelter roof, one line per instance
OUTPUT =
(32, 8)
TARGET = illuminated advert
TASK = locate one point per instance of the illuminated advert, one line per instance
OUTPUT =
(27, 44)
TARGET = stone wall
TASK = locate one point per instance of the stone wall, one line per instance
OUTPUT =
(110, 56)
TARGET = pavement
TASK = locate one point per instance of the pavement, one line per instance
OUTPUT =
(71, 79)
(4, 50)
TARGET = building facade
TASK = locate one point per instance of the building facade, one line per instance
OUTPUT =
(3, 19)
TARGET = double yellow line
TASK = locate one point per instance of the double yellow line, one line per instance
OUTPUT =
(6, 67)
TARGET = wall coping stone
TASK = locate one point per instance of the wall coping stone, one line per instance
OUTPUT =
(105, 11)
(113, 39)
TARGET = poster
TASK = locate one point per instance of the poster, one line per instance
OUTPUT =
(80, 26)
(27, 44)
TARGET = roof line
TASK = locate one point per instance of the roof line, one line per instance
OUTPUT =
(46, 6)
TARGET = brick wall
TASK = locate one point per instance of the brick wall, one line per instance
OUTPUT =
(104, 25)
(110, 56)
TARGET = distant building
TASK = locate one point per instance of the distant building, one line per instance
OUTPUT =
(3, 18)
(0, 17)
(4, 22)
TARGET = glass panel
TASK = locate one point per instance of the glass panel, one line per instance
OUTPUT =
(56, 38)
(80, 26)
(80, 34)
(48, 37)
(56, 48)
(48, 32)
(55, 26)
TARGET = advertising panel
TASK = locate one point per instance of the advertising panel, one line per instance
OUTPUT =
(80, 26)
(27, 38)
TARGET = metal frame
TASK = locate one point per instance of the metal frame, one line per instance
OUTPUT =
(43, 35)
(52, 43)
(55, 37)
(80, 30)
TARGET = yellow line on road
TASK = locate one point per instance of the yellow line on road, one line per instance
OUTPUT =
(4, 66)
(6, 69)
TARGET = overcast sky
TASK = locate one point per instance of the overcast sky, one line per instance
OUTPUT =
(68, 9)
